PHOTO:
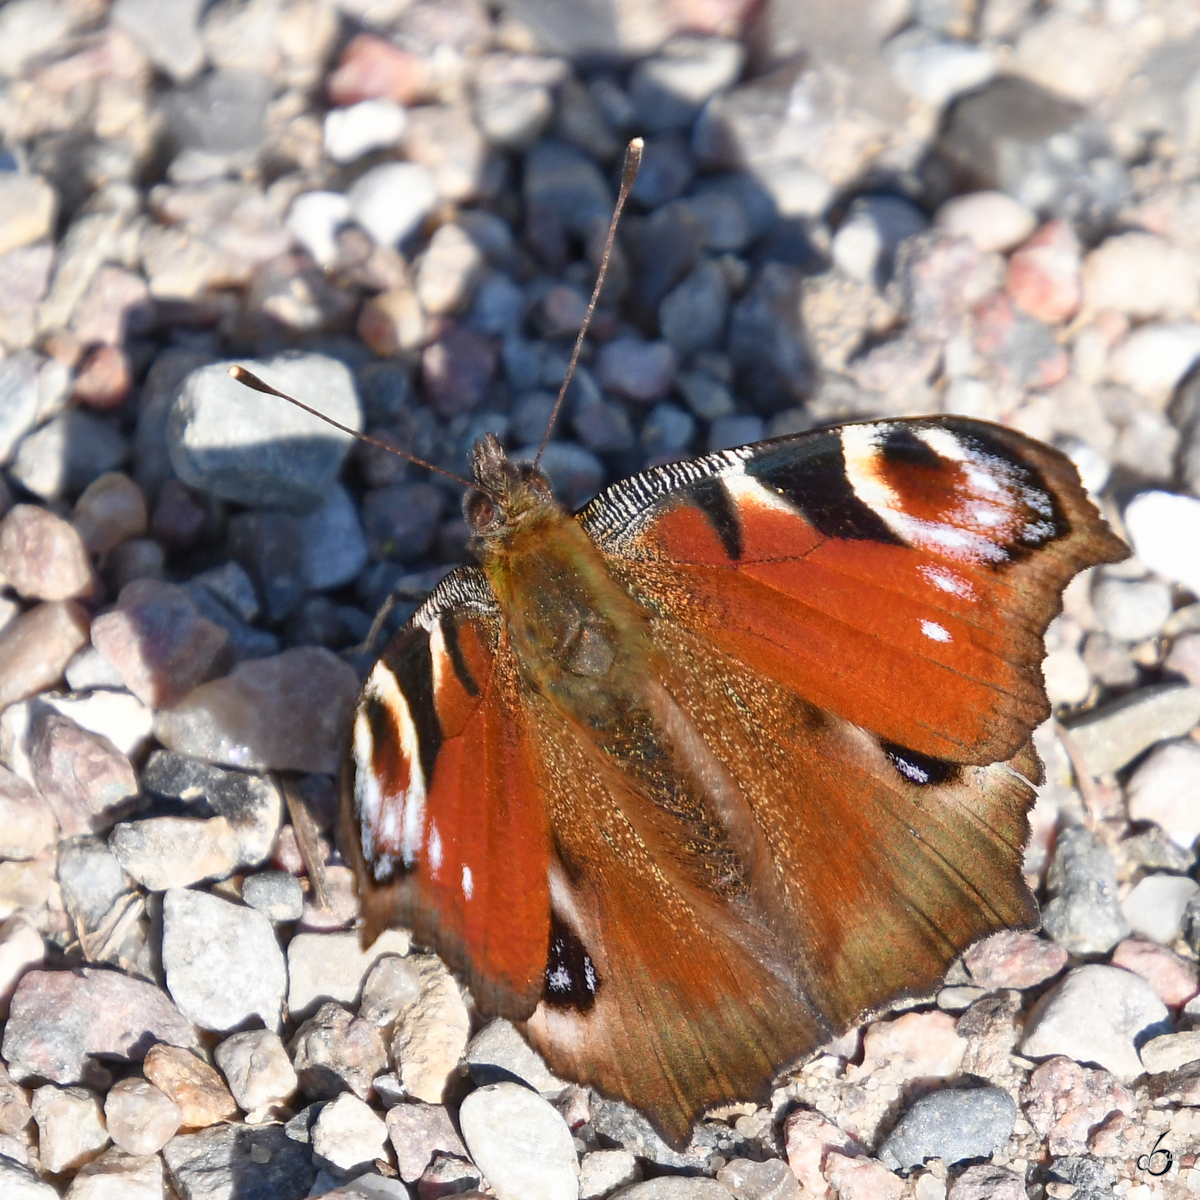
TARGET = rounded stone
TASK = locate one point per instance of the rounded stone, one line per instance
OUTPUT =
(141, 1119)
(256, 449)
(520, 1143)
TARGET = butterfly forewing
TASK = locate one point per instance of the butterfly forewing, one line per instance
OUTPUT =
(444, 818)
(748, 761)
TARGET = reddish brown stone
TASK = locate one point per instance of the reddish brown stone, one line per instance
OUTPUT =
(1175, 980)
(88, 783)
(36, 647)
(111, 509)
(195, 1087)
(1044, 277)
(371, 68)
(456, 368)
(104, 378)
(1065, 1102)
(60, 1018)
(158, 641)
(42, 556)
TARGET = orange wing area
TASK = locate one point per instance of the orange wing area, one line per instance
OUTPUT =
(442, 812)
(912, 602)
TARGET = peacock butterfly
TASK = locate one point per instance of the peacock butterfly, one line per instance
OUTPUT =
(689, 782)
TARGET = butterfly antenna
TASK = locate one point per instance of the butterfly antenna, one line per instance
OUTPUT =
(250, 380)
(629, 170)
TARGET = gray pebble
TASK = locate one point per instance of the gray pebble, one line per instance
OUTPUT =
(568, 184)
(692, 315)
(1084, 915)
(59, 1019)
(668, 430)
(252, 1162)
(726, 432)
(401, 520)
(952, 1125)
(498, 1052)
(91, 880)
(62, 457)
(222, 961)
(1096, 1014)
(669, 88)
(20, 399)
(276, 894)
(20, 1183)
(665, 173)
(332, 547)
(334, 1052)
(1132, 610)
(1114, 734)
(259, 450)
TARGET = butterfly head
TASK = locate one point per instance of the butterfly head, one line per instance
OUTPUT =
(506, 495)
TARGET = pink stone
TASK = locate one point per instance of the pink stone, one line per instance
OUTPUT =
(563, 310)
(21, 949)
(861, 1179)
(1175, 980)
(1065, 1102)
(42, 556)
(36, 647)
(27, 825)
(985, 1182)
(1184, 658)
(456, 368)
(116, 304)
(810, 1140)
(111, 509)
(86, 780)
(371, 68)
(288, 712)
(1011, 959)
(104, 378)
(158, 641)
(1118, 1136)
(639, 371)
(1022, 350)
(60, 1018)
(915, 1045)
(1044, 275)
(179, 515)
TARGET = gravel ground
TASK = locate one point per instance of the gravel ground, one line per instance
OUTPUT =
(393, 209)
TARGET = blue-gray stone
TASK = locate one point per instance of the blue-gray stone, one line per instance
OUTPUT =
(259, 450)
(953, 1125)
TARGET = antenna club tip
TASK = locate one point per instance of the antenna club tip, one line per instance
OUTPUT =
(234, 370)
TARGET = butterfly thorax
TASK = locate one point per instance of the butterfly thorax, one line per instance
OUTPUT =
(574, 630)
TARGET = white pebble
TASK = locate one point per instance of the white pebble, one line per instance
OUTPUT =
(357, 130)
(1093, 1016)
(348, 1133)
(520, 1143)
(936, 69)
(391, 200)
(314, 220)
(1165, 789)
(1154, 908)
(992, 220)
(1142, 275)
(1165, 531)
(1155, 357)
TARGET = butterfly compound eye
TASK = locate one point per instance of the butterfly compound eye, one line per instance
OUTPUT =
(481, 511)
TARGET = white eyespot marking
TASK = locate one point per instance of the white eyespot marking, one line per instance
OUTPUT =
(468, 882)
(986, 516)
(745, 489)
(947, 581)
(559, 980)
(910, 770)
(435, 850)
(383, 687)
(368, 799)
(938, 633)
